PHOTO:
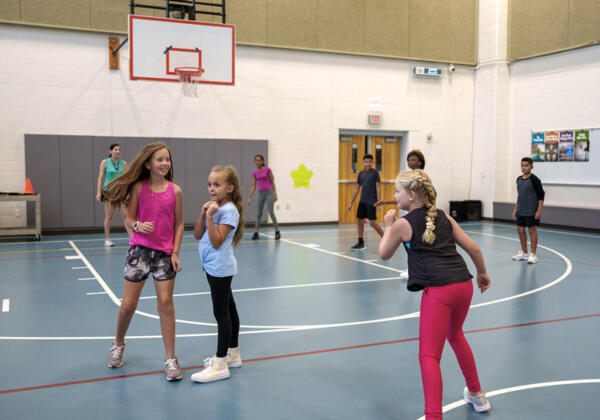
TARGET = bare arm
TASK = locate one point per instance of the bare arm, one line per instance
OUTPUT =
(538, 213)
(378, 187)
(396, 232)
(466, 243)
(100, 179)
(132, 209)
(216, 235)
(178, 228)
(252, 189)
(272, 178)
(353, 197)
(200, 225)
(384, 203)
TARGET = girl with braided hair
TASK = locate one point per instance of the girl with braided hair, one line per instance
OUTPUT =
(434, 266)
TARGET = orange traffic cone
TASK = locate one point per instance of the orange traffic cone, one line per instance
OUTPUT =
(28, 187)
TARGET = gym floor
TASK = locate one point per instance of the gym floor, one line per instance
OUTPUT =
(327, 333)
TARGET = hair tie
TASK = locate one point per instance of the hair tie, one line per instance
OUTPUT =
(429, 225)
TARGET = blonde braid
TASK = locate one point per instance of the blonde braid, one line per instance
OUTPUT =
(418, 181)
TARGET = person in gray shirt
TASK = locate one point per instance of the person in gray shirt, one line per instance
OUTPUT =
(528, 210)
(370, 181)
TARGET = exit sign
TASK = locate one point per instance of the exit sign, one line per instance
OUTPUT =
(375, 118)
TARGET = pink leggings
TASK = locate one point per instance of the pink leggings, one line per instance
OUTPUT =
(443, 312)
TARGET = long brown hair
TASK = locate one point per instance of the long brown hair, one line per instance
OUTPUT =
(419, 182)
(231, 178)
(117, 191)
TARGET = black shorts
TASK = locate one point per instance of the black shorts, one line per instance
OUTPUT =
(142, 261)
(367, 211)
(527, 221)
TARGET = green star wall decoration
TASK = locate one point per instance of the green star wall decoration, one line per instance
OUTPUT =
(301, 177)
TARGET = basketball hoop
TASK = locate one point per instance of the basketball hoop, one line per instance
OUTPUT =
(189, 77)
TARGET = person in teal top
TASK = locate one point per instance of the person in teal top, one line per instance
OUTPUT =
(110, 169)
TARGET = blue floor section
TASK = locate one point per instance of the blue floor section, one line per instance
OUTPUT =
(327, 333)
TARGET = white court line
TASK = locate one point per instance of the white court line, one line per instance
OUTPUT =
(459, 403)
(78, 268)
(87, 278)
(291, 232)
(280, 328)
(337, 254)
(95, 293)
(590, 235)
(72, 257)
(293, 286)
(116, 300)
(5, 305)
(552, 283)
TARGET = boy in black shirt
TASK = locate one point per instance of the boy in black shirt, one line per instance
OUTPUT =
(528, 210)
(369, 180)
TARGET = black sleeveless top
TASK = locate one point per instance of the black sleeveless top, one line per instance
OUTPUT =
(438, 264)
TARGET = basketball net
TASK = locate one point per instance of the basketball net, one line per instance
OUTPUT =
(189, 77)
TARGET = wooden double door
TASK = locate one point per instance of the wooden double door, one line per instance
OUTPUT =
(386, 157)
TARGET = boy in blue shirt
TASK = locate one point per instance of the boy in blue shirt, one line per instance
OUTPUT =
(369, 180)
(528, 210)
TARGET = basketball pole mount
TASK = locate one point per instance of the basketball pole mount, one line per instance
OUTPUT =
(113, 51)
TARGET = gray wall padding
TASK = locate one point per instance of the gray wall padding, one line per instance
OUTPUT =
(556, 215)
(64, 169)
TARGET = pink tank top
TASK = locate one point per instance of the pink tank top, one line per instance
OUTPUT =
(160, 209)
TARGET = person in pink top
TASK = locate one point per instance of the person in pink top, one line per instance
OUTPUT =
(267, 193)
(155, 214)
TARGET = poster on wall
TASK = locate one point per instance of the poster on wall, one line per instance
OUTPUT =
(537, 147)
(551, 145)
(582, 146)
(565, 146)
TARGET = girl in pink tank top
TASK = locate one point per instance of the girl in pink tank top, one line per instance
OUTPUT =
(155, 214)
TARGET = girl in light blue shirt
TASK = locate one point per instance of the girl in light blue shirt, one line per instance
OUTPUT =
(220, 228)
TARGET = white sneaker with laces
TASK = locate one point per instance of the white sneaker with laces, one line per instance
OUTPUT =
(108, 243)
(521, 256)
(532, 259)
(480, 402)
(172, 370)
(233, 358)
(215, 369)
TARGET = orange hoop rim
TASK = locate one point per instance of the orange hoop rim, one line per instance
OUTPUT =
(189, 71)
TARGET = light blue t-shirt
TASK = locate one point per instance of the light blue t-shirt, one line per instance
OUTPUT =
(220, 262)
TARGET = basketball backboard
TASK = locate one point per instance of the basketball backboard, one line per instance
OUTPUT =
(158, 45)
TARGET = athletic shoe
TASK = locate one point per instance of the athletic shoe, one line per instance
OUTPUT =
(359, 245)
(233, 359)
(255, 236)
(277, 235)
(520, 256)
(108, 243)
(215, 369)
(115, 356)
(480, 402)
(172, 370)
(532, 259)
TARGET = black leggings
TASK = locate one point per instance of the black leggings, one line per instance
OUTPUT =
(228, 321)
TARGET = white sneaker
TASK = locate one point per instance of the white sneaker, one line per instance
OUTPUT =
(108, 243)
(215, 369)
(521, 256)
(480, 402)
(532, 259)
(233, 359)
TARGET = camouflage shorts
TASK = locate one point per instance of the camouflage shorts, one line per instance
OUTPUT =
(142, 261)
